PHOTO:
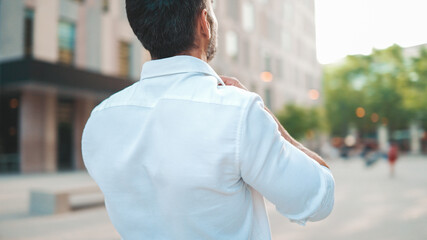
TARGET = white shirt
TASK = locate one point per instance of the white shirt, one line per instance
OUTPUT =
(179, 157)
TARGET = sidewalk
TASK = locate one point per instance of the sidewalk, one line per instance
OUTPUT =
(16, 223)
(369, 205)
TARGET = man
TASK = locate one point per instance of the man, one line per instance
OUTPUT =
(180, 155)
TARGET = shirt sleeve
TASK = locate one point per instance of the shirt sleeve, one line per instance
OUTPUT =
(300, 188)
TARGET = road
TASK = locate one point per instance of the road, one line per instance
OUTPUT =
(368, 205)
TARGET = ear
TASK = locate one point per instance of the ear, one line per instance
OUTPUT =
(205, 26)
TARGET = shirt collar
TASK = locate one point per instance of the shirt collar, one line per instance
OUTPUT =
(175, 65)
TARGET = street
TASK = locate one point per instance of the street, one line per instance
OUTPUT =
(368, 205)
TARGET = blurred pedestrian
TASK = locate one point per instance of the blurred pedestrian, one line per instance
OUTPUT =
(371, 154)
(392, 157)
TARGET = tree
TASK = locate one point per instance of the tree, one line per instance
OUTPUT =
(300, 121)
(343, 95)
(415, 90)
(374, 84)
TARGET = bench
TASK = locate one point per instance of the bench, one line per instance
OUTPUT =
(54, 201)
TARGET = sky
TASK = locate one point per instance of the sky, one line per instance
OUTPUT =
(345, 27)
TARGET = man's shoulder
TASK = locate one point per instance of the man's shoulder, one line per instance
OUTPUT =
(230, 95)
(223, 95)
(117, 98)
(205, 89)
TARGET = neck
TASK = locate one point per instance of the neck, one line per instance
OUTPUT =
(197, 53)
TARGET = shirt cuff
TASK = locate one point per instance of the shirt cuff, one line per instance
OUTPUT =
(323, 202)
(327, 203)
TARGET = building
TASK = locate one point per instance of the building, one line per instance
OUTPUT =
(414, 51)
(270, 45)
(59, 58)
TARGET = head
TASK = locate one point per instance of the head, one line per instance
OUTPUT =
(168, 28)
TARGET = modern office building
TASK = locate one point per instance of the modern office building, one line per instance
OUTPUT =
(270, 45)
(59, 58)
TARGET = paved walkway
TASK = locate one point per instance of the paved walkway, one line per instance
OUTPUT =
(369, 205)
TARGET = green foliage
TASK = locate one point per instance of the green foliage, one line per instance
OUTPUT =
(385, 83)
(415, 90)
(301, 122)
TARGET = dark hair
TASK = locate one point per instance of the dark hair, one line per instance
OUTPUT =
(165, 28)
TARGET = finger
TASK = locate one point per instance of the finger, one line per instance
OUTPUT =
(229, 80)
(226, 81)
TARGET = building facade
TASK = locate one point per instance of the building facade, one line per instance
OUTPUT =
(270, 45)
(59, 58)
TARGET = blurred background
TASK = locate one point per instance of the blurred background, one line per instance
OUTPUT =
(347, 78)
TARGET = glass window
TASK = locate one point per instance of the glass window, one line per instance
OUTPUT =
(267, 63)
(28, 32)
(124, 59)
(263, 22)
(9, 133)
(105, 5)
(64, 147)
(300, 48)
(279, 68)
(248, 16)
(286, 41)
(232, 47)
(273, 30)
(233, 9)
(246, 54)
(268, 98)
(288, 11)
(309, 81)
(67, 37)
(254, 88)
(296, 77)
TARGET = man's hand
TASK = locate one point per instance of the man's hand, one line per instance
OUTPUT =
(231, 81)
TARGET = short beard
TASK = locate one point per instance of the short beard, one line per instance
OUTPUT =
(212, 47)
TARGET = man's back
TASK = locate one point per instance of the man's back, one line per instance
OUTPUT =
(174, 156)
